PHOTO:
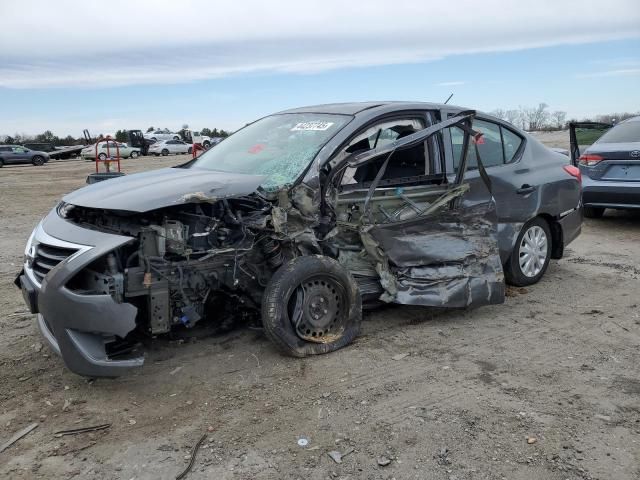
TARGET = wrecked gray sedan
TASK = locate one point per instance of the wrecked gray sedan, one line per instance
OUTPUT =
(300, 219)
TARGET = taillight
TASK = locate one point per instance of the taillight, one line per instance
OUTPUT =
(574, 172)
(590, 159)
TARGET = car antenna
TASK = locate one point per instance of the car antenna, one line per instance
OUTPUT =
(447, 100)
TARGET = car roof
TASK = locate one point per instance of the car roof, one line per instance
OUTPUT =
(353, 108)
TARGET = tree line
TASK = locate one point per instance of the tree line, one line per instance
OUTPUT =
(121, 136)
(541, 118)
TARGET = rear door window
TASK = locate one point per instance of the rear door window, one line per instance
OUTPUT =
(497, 146)
(622, 133)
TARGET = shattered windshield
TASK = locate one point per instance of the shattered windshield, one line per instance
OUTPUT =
(279, 147)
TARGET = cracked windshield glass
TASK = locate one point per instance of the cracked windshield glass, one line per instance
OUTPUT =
(279, 147)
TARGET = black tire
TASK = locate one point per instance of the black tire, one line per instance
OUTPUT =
(513, 272)
(134, 154)
(102, 156)
(293, 289)
(165, 152)
(190, 150)
(1, 163)
(38, 160)
(206, 145)
(593, 212)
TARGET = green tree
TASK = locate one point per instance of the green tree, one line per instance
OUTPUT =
(206, 132)
(150, 129)
(121, 136)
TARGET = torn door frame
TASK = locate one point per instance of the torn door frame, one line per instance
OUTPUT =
(476, 277)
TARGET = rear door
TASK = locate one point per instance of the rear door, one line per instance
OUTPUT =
(426, 246)
(19, 155)
(517, 187)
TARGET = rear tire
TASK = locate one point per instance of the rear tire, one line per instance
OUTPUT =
(38, 161)
(311, 306)
(206, 145)
(531, 254)
(102, 156)
(593, 212)
(1, 163)
(190, 150)
(134, 154)
(165, 152)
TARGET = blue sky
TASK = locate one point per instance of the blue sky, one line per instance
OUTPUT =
(583, 75)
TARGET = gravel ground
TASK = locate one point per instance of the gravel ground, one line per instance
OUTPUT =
(546, 386)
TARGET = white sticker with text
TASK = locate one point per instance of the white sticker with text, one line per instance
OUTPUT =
(309, 126)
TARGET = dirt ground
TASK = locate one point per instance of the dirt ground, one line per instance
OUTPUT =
(546, 386)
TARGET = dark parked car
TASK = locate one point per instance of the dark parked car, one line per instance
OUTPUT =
(301, 218)
(610, 167)
(10, 154)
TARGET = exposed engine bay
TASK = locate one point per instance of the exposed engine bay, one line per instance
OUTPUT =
(185, 260)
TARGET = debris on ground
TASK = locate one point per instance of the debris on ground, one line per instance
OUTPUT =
(303, 441)
(337, 456)
(443, 457)
(531, 440)
(75, 431)
(399, 356)
(383, 461)
(194, 452)
(18, 436)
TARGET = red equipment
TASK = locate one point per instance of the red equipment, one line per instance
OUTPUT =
(109, 159)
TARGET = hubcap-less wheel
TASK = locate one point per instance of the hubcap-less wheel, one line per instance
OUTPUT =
(533, 251)
(317, 309)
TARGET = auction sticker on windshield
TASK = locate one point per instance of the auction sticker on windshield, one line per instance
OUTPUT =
(317, 126)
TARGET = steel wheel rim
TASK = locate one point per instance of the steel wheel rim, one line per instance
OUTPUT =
(317, 308)
(532, 253)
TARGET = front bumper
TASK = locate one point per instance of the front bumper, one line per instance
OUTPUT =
(610, 194)
(77, 326)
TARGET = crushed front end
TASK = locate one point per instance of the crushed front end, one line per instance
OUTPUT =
(101, 281)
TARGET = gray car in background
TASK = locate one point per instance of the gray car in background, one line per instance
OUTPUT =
(610, 168)
(298, 220)
(13, 154)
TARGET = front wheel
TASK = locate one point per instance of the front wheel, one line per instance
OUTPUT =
(190, 150)
(593, 212)
(311, 306)
(531, 254)
(206, 145)
(134, 154)
(38, 161)
(165, 152)
(102, 156)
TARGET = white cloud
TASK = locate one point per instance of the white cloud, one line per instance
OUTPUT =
(120, 42)
(450, 84)
(622, 72)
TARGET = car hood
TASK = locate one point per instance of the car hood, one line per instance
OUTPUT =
(147, 191)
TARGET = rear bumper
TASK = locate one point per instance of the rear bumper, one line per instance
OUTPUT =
(77, 326)
(608, 194)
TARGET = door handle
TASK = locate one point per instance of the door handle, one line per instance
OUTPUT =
(525, 189)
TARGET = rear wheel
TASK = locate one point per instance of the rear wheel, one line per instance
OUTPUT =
(530, 256)
(102, 156)
(311, 306)
(165, 152)
(206, 145)
(38, 160)
(190, 150)
(593, 212)
(1, 163)
(134, 154)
